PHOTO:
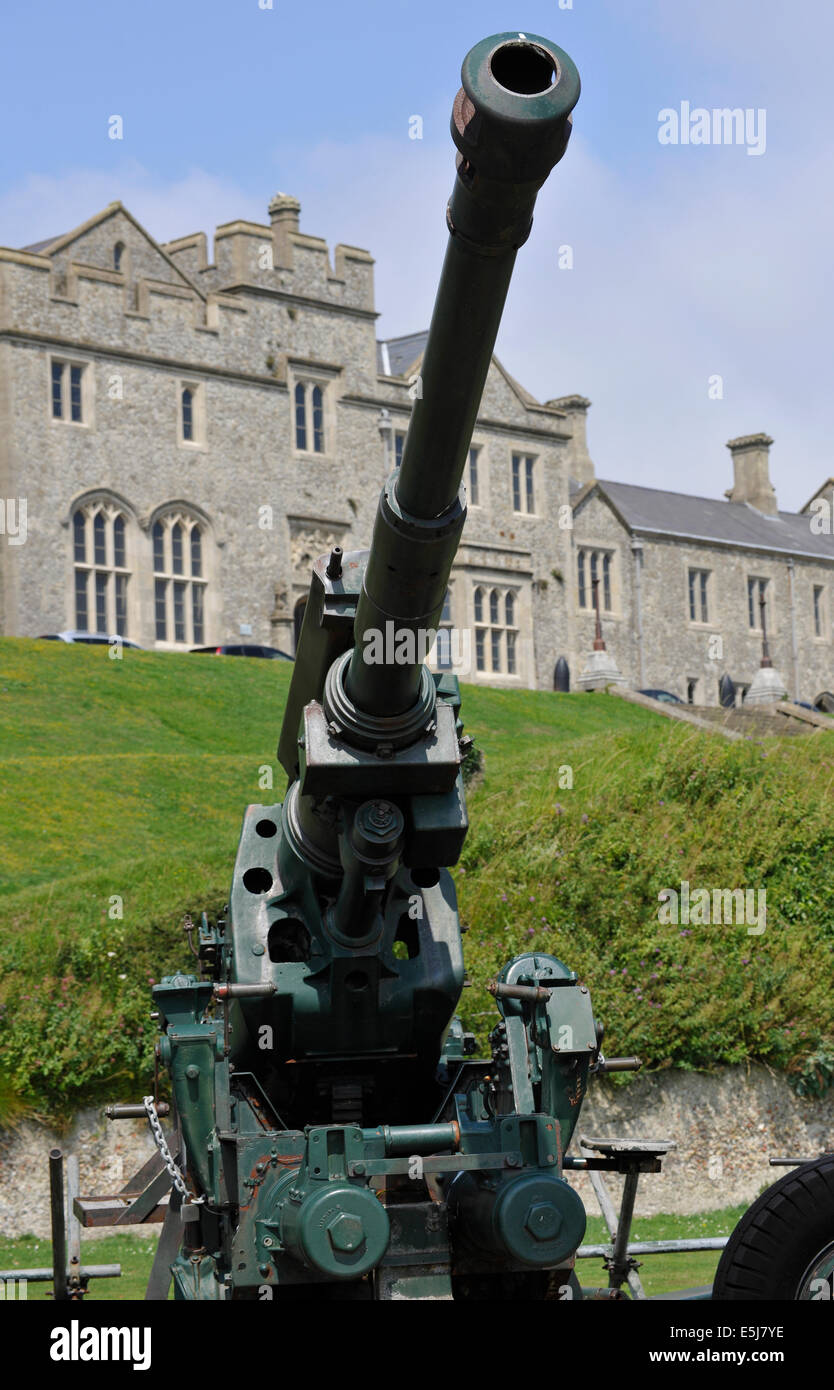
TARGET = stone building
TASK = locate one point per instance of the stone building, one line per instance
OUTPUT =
(180, 437)
(681, 579)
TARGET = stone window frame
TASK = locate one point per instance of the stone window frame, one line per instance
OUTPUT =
(188, 519)
(399, 446)
(87, 421)
(710, 620)
(308, 379)
(440, 657)
(198, 413)
(497, 628)
(823, 636)
(108, 507)
(477, 496)
(755, 629)
(608, 552)
(528, 483)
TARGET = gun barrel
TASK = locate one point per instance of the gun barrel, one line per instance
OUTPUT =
(511, 124)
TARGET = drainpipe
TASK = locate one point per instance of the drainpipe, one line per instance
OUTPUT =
(637, 551)
(794, 647)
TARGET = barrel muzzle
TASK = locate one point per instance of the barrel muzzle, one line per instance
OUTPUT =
(511, 119)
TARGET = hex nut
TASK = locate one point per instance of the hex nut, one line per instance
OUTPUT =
(345, 1233)
(543, 1221)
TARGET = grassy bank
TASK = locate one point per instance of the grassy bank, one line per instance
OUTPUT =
(124, 784)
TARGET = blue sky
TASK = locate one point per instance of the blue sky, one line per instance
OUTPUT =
(689, 261)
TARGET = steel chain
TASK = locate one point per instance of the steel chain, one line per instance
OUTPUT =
(167, 1157)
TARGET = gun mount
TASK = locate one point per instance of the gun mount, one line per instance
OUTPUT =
(327, 1021)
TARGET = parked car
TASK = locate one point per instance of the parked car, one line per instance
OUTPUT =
(664, 696)
(95, 638)
(271, 653)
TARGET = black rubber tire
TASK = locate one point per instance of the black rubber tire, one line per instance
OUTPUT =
(777, 1240)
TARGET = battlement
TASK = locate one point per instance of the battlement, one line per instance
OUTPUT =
(109, 286)
(279, 258)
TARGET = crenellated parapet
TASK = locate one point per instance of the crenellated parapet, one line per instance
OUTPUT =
(278, 258)
(108, 286)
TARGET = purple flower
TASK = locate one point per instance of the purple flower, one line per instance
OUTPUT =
(584, 819)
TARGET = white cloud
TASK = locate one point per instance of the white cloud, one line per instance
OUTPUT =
(46, 205)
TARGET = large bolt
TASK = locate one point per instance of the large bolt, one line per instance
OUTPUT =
(544, 1221)
(345, 1233)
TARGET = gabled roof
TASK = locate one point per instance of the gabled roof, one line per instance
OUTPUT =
(401, 357)
(394, 356)
(823, 488)
(42, 245)
(652, 511)
(59, 243)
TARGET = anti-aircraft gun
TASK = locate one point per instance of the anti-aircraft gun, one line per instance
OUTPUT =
(339, 1137)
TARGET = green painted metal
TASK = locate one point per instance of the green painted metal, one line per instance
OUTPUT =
(338, 1134)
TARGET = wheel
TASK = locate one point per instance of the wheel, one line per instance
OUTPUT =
(782, 1249)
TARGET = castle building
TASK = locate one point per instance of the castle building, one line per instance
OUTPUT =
(180, 437)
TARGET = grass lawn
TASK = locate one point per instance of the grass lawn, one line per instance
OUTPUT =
(659, 1273)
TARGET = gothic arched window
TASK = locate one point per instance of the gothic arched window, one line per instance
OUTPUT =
(179, 581)
(100, 565)
(499, 635)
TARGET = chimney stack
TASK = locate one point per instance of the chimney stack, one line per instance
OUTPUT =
(579, 462)
(751, 473)
(284, 212)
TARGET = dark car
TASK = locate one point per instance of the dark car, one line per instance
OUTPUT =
(95, 638)
(664, 696)
(271, 653)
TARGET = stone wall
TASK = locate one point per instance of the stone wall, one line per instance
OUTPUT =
(726, 1125)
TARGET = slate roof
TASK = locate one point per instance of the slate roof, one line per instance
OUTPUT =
(652, 511)
(394, 356)
(41, 245)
